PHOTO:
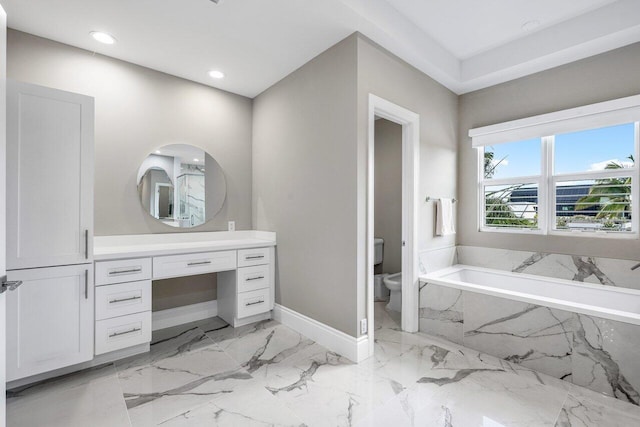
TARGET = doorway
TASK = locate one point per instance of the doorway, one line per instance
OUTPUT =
(410, 122)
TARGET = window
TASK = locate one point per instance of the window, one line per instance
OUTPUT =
(580, 180)
(510, 184)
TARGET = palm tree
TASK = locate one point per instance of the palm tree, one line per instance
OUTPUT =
(498, 210)
(612, 194)
(489, 165)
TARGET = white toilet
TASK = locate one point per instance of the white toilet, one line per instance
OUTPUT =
(379, 289)
(393, 282)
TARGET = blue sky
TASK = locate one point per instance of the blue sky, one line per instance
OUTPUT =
(574, 152)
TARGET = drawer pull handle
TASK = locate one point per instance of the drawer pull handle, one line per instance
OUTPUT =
(117, 334)
(114, 301)
(253, 303)
(132, 270)
(255, 278)
(9, 285)
(254, 257)
(198, 263)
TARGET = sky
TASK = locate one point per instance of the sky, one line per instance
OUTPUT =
(574, 152)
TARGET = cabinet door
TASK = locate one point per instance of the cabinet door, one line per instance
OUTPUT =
(49, 319)
(49, 177)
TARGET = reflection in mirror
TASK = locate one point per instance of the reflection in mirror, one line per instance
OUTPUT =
(181, 185)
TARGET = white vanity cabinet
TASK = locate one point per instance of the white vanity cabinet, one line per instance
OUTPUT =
(49, 177)
(123, 304)
(248, 292)
(49, 319)
(126, 265)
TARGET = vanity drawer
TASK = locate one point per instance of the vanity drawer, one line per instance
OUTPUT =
(253, 278)
(122, 299)
(190, 264)
(254, 302)
(249, 257)
(124, 270)
(122, 332)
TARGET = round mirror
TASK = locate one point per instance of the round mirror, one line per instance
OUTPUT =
(181, 185)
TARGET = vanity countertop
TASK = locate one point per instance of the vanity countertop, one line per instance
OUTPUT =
(145, 245)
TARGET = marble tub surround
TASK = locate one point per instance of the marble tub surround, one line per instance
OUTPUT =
(606, 357)
(207, 373)
(596, 353)
(441, 312)
(600, 271)
(430, 260)
(581, 411)
(537, 337)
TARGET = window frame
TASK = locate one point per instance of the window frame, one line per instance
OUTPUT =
(547, 194)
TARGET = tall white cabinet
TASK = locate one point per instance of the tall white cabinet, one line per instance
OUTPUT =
(49, 177)
(49, 229)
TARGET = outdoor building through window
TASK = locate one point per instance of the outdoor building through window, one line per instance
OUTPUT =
(580, 180)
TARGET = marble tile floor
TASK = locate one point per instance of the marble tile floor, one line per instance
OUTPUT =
(209, 374)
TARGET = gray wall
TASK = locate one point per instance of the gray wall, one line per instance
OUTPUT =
(385, 75)
(304, 184)
(388, 192)
(192, 290)
(137, 111)
(309, 178)
(600, 78)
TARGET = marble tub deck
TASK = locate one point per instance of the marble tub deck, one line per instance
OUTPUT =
(207, 373)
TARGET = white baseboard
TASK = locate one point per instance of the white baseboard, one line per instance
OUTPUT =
(185, 314)
(354, 349)
(362, 348)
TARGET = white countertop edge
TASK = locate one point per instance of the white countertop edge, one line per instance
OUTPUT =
(145, 245)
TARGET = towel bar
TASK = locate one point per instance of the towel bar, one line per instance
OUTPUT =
(428, 199)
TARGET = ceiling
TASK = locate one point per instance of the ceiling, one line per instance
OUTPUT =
(463, 44)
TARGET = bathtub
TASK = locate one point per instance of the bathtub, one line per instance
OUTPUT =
(608, 302)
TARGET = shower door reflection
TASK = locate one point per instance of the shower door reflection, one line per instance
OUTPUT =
(191, 194)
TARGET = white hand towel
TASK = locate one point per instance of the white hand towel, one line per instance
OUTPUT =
(445, 224)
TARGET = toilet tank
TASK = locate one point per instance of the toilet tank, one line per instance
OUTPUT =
(377, 255)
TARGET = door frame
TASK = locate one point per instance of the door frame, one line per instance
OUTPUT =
(157, 200)
(410, 122)
(3, 215)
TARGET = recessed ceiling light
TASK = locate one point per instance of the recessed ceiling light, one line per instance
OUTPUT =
(530, 25)
(103, 37)
(158, 152)
(196, 160)
(215, 74)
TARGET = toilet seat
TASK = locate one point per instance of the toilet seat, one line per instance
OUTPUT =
(393, 281)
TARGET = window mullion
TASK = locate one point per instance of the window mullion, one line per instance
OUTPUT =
(512, 181)
(635, 183)
(481, 208)
(546, 200)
